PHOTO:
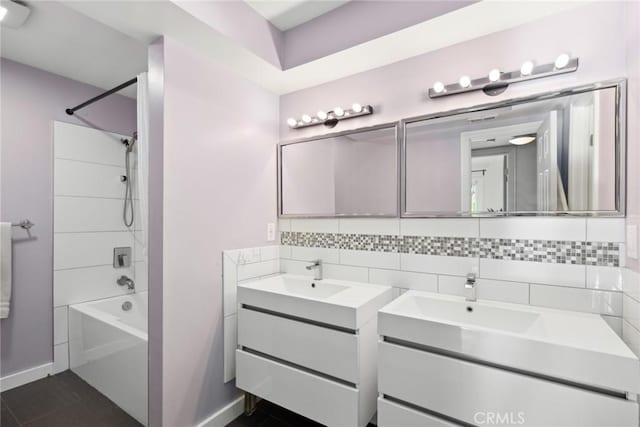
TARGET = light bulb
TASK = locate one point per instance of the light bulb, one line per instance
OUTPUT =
(438, 87)
(339, 112)
(465, 81)
(292, 122)
(562, 61)
(306, 118)
(527, 68)
(322, 115)
(494, 75)
(357, 108)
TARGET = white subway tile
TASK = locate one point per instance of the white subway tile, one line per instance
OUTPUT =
(292, 266)
(74, 250)
(230, 327)
(370, 259)
(605, 229)
(605, 278)
(60, 358)
(496, 290)
(60, 325)
(74, 214)
(302, 253)
(346, 272)
(326, 225)
(445, 227)
(86, 284)
(141, 275)
(285, 251)
(248, 256)
(614, 323)
(435, 264)
(389, 226)
(533, 272)
(258, 269)
(88, 144)
(540, 228)
(87, 179)
(631, 283)
(631, 311)
(585, 300)
(404, 279)
(631, 336)
(229, 284)
(284, 224)
(269, 252)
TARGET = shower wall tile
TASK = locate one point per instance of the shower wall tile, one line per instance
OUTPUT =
(60, 328)
(74, 250)
(74, 142)
(83, 214)
(78, 285)
(75, 178)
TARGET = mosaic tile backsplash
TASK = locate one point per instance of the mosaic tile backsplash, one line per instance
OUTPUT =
(551, 251)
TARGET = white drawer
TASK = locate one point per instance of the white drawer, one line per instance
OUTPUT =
(391, 414)
(320, 399)
(467, 391)
(331, 352)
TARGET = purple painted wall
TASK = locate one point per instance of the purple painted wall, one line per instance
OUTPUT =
(358, 22)
(31, 100)
(220, 133)
(399, 90)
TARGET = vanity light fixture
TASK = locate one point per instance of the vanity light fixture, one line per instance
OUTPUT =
(497, 81)
(522, 139)
(330, 118)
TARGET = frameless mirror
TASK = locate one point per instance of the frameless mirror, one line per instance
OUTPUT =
(350, 173)
(559, 153)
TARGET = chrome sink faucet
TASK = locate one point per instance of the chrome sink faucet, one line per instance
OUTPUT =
(317, 267)
(470, 288)
(126, 281)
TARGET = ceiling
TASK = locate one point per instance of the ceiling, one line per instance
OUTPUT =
(103, 42)
(64, 42)
(285, 15)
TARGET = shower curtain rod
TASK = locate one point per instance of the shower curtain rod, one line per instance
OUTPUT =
(70, 111)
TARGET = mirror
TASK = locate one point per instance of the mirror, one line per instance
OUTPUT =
(352, 173)
(552, 154)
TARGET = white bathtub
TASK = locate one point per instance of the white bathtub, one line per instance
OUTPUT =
(108, 349)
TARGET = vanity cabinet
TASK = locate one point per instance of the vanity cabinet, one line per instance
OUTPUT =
(291, 353)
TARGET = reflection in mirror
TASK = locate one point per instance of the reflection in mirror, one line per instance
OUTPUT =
(552, 155)
(351, 173)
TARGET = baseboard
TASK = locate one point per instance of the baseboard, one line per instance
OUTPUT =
(25, 377)
(225, 415)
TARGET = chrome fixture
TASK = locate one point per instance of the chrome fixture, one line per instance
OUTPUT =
(317, 267)
(122, 257)
(127, 211)
(126, 281)
(497, 81)
(470, 288)
(330, 118)
(25, 224)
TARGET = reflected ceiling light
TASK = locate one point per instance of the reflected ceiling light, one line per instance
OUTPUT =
(3, 12)
(494, 75)
(13, 14)
(497, 81)
(562, 61)
(331, 118)
(522, 139)
(527, 68)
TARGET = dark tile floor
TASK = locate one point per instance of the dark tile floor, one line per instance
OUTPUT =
(270, 415)
(62, 400)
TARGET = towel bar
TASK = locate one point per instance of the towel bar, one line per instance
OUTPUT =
(26, 224)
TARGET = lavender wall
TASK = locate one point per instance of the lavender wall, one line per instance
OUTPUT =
(399, 90)
(31, 100)
(220, 133)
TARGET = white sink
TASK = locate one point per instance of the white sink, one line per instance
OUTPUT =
(332, 302)
(576, 347)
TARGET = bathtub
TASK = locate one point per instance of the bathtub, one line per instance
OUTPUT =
(108, 349)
